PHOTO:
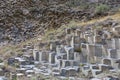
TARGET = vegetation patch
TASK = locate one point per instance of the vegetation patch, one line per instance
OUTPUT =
(102, 8)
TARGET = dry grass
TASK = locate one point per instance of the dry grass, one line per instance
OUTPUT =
(77, 23)
(8, 50)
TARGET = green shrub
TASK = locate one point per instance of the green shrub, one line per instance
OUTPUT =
(102, 8)
(81, 65)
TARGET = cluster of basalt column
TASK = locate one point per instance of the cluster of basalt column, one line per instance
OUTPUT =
(89, 46)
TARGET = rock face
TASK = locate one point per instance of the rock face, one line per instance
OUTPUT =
(21, 20)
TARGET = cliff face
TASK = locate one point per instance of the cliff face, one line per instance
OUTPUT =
(24, 19)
